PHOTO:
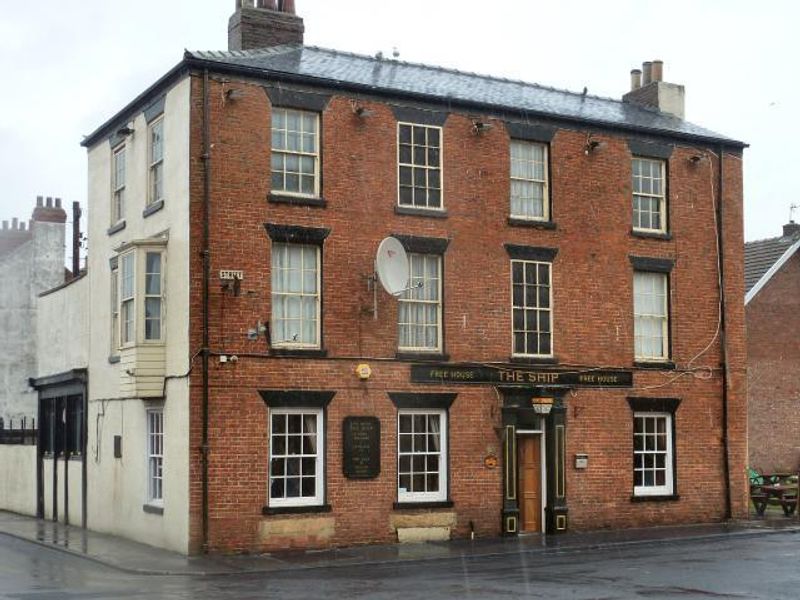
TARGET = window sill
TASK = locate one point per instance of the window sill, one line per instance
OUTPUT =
(297, 200)
(295, 510)
(534, 360)
(153, 509)
(517, 222)
(665, 498)
(153, 208)
(422, 356)
(299, 352)
(116, 228)
(652, 235)
(421, 212)
(113, 359)
(422, 505)
(659, 365)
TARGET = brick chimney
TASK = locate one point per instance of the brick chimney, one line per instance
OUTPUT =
(263, 24)
(791, 230)
(649, 89)
(49, 211)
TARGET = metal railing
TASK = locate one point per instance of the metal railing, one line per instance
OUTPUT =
(20, 432)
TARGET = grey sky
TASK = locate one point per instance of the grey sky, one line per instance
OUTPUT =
(71, 65)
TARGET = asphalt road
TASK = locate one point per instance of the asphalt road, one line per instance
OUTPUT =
(764, 566)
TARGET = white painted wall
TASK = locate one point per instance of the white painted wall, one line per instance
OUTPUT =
(63, 329)
(118, 487)
(18, 479)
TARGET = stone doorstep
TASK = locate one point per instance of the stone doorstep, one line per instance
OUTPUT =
(415, 535)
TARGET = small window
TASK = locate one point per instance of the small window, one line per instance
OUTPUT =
(529, 195)
(422, 456)
(295, 295)
(295, 152)
(156, 157)
(649, 195)
(651, 317)
(420, 166)
(296, 453)
(155, 456)
(118, 185)
(532, 313)
(127, 299)
(114, 291)
(420, 307)
(153, 297)
(652, 454)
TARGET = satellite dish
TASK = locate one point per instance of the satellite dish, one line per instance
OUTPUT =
(391, 263)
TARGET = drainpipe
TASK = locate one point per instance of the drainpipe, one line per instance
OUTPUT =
(723, 338)
(206, 281)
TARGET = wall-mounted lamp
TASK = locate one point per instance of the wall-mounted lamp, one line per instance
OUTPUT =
(592, 145)
(359, 110)
(479, 127)
(125, 131)
(233, 94)
(542, 406)
(696, 159)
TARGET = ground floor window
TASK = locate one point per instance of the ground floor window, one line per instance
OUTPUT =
(422, 455)
(155, 456)
(652, 454)
(296, 453)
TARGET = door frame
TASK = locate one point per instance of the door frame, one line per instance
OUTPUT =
(542, 474)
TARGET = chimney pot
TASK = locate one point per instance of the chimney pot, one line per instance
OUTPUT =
(58, 202)
(791, 229)
(658, 70)
(287, 6)
(39, 201)
(14, 223)
(636, 79)
(22, 226)
(647, 72)
(49, 202)
(5, 224)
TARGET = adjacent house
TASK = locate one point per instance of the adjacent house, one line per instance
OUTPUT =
(772, 281)
(566, 353)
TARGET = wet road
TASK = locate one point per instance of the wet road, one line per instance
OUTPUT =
(729, 567)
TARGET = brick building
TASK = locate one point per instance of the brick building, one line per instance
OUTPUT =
(772, 277)
(568, 353)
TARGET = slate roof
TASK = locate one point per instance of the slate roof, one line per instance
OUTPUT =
(760, 255)
(366, 73)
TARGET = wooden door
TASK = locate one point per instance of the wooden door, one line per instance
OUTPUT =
(530, 483)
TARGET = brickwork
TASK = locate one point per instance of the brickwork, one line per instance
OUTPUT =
(593, 319)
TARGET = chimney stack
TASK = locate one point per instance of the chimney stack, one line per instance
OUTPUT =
(654, 92)
(791, 229)
(48, 211)
(264, 24)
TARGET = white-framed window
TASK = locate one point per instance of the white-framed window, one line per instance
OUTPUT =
(529, 185)
(155, 134)
(296, 450)
(295, 152)
(421, 455)
(531, 308)
(153, 296)
(649, 195)
(652, 454)
(114, 311)
(651, 316)
(295, 295)
(419, 161)
(155, 456)
(419, 308)
(127, 298)
(118, 184)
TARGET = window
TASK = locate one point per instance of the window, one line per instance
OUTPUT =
(420, 307)
(118, 185)
(652, 454)
(295, 295)
(295, 152)
(296, 453)
(126, 295)
(419, 165)
(421, 455)
(152, 296)
(529, 198)
(651, 320)
(649, 197)
(156, 157)
(531, 308)
(114, 311)
(155, 456)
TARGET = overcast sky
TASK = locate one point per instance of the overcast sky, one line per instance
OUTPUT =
(71, 65)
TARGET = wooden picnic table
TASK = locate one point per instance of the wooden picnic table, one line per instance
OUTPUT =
(781, 494)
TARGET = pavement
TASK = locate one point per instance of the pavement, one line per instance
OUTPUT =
(136, 558)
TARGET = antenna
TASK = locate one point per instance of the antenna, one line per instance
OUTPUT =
(792, 208)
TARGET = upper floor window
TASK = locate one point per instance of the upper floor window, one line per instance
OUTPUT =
(649, 195)
(531, 308)
(419, 166)
(152, 296)
(295, 152)
(114, 311)
(295, 295)
(651, 316)
(529, 188)
(139, 296)
(420, 307)
(126, 298)
(156, 160)
(118, 185)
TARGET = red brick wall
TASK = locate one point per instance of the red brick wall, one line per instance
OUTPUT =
(773, 352)
(592, 283)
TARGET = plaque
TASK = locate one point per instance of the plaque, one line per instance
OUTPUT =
(362, 447)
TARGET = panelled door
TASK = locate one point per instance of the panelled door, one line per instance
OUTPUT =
(530, 482)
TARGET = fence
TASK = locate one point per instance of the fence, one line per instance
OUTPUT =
(18, 433)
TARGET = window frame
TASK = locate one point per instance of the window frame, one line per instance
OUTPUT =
(317, 155)
(155, 165)
(549, 309)
(117, 188)
(444, 456)
(273, 293)
(145, 296)
(662, 198)
(115, 311)
(666, 340)
(319, 471)
(439, 168)
(545, 183)
(668, 488)
(154, 448)
(126, 338)
(403, 299)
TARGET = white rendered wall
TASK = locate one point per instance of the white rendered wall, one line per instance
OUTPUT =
(63, 329)
(118, 487)
(18, 479)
